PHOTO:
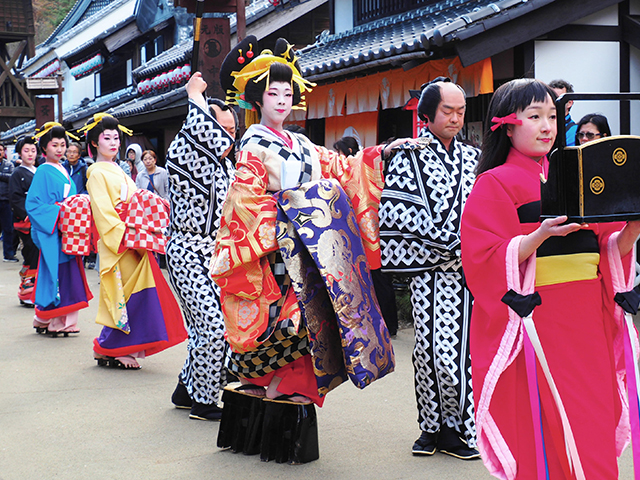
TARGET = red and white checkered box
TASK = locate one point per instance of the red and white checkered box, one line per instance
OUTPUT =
(147, 217)
(75, 225)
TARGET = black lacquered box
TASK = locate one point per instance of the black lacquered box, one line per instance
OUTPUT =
(595, 182)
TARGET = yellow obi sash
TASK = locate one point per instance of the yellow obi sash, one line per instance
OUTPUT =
(556, 269)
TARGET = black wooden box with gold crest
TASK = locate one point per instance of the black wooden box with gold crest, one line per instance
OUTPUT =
(595, 182)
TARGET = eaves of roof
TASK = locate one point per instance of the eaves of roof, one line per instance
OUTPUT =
(411, 35)
(77, 115)
(69, 34)
(72, 16)
(96, 40)
(141, 105)
(176, 55)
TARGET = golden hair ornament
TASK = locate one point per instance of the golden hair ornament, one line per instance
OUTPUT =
(48, 126)
(97, 118)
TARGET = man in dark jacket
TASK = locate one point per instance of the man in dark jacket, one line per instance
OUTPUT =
(76, 166)
(6, 217)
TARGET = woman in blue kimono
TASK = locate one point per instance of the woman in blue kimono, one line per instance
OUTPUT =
(61, 286)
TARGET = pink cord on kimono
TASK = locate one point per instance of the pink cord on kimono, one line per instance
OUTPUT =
(534, 398)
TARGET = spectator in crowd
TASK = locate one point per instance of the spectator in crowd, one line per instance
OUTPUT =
(561, 87)
(76, 166)
(592, 127)
(153, 177)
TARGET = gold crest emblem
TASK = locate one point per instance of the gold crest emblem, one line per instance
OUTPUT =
(619, 156)
(596, 185)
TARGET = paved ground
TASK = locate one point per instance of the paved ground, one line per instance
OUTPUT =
(62, 417)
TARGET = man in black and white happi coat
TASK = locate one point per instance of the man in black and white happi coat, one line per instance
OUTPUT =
(420, 210)
(200, 171)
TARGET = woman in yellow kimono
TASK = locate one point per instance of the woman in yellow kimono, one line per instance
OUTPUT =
(137, 308)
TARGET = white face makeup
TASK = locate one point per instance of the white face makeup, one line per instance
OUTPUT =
(276, 105)
(108, 145)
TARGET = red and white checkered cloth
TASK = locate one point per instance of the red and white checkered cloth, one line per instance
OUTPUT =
(75, 225)
(147, 216)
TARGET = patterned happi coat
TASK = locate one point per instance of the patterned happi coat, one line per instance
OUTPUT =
(259, 261)
(420, 209)
(198, 182)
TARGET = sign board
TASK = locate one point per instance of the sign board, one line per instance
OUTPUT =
(215, 43)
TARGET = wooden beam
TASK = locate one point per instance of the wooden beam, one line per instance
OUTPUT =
(122, 37)
(483, 40)
(17, 112)
(7, 74)
(270, 23)
(631, 30)
(7, 67)
(585, 33)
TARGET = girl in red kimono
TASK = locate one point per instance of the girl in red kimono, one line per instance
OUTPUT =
(548, 378)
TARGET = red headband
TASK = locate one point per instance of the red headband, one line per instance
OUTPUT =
(500, 121)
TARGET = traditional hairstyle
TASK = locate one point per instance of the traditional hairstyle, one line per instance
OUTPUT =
(245, 76)
(93, 128)
(48, 132)
(347, 146)
(509, 98)
(27, 140)
(560, 84)
(224, 107)
(599, 120)
(431, 96)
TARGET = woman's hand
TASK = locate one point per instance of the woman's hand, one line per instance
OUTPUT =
(628, 236)
(388, 149)
(551, 227)
(196, 86)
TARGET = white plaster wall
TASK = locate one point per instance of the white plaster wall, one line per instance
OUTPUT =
(76, 90)
(608, 16)
(343, 15)
(589, 66)
(635, 87)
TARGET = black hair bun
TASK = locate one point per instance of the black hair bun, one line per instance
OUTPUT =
(239, 56)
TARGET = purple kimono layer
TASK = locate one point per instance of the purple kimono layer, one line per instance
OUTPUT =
(321, 246)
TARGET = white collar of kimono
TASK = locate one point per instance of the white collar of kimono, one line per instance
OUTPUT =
(261, 130)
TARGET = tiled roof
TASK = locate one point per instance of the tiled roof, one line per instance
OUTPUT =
(176, 55)
(80, 11)
(100, 104)
(416, 31)
(54, 41)
(145, 104)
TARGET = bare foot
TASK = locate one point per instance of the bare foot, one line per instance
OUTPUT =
(274, 393)
(128, 362)
(251, 389)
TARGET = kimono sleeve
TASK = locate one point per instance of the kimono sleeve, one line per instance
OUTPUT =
(110, 227)
(41, 202)
(17, 195)
(361, 177)
(489, 222)
(247, 234)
